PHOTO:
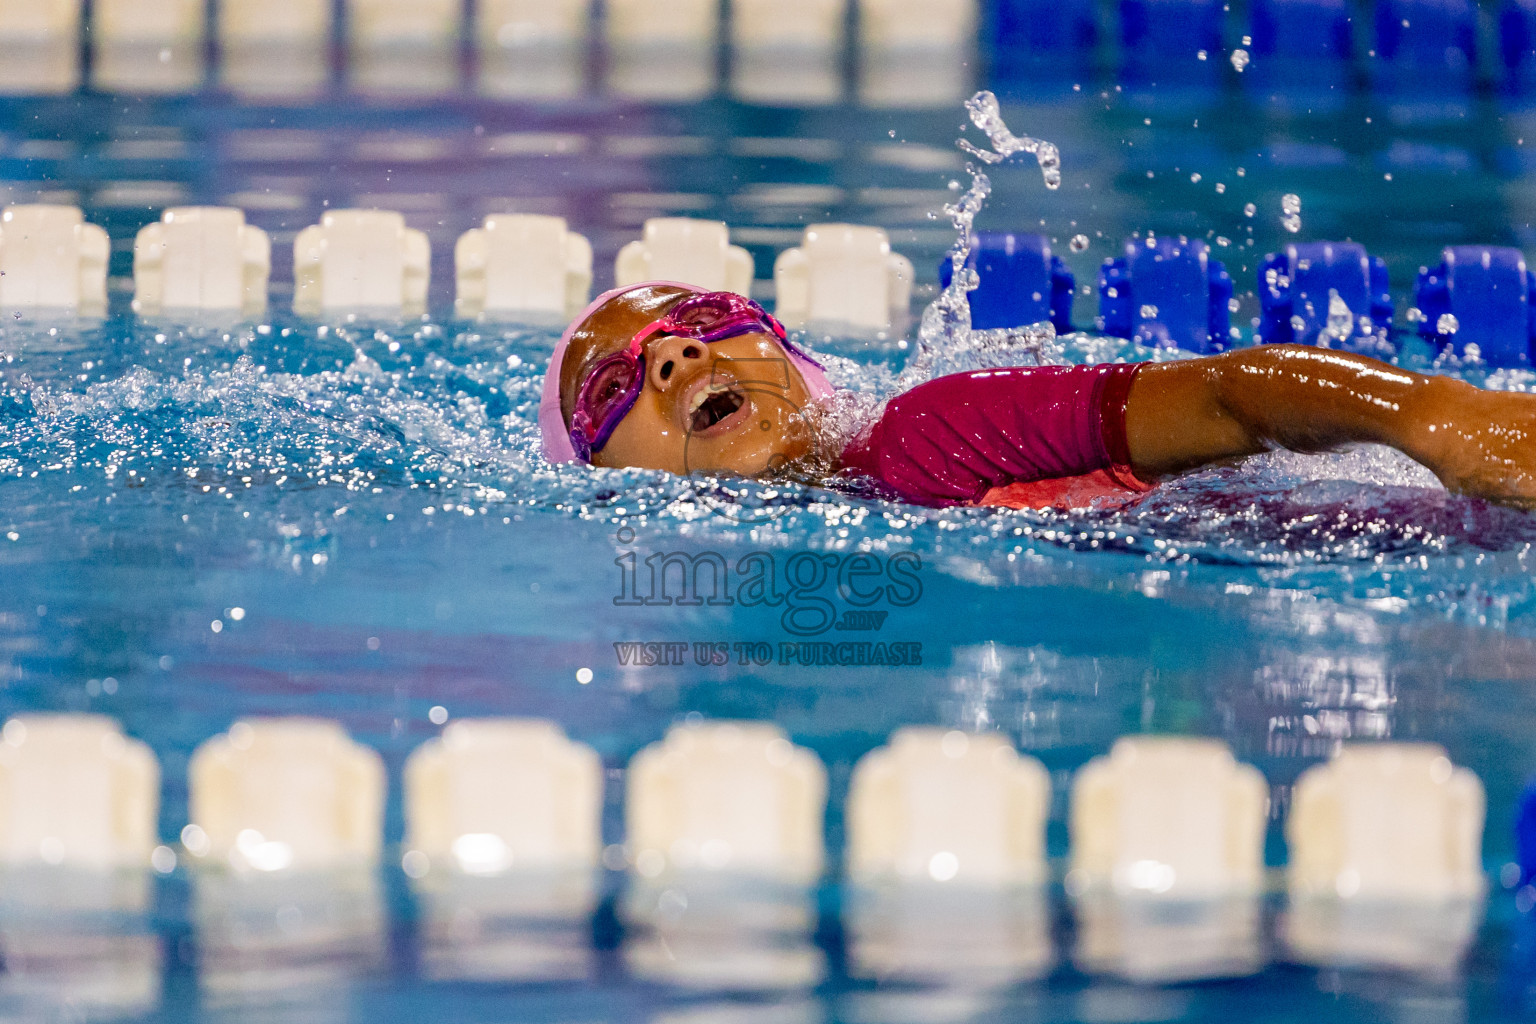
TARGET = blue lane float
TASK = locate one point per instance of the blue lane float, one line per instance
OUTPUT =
(1021, 282)
(1330, 293)
(1479, 295)
(1166, 293)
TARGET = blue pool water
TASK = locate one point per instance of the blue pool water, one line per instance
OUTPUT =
(351, 520)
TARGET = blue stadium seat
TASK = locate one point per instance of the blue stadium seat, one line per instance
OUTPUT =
(1427, 45)
(1302, 51)
(1305, 30)
(1298, 287)
(1040, 47)
(1525, 833)
(1488, 291)
(1021, 282)
(1031, 27)
(1517, 44)
(1161, 38)
(1166, 293)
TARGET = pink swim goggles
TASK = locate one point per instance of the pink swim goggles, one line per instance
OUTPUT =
(613, 386)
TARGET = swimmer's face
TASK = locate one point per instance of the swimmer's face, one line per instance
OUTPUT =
(731, 406)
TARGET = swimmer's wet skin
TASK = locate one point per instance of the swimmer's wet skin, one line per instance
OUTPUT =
(694, 397)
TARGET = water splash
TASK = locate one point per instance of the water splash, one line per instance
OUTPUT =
(1341, 320)
(986, 115)
(946, 341)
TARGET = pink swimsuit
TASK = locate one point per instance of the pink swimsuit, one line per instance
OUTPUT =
(1024, 437)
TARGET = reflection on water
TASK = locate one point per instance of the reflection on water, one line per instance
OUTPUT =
(516, 927)
(77, 943)
(1429, 938)
(716, 931)
(404, 71)
(939, 934)
(147, 68)
(290, 937)
(678, 72)
(281, 70)
(1160, 941)
(38, 67)
(532, 71)
(916, 78)
(788, 76)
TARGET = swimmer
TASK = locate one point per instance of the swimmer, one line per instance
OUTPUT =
(664, 376)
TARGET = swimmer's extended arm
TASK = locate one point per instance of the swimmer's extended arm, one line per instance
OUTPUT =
(1186, 414)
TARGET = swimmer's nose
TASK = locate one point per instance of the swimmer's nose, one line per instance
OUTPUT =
(668, 359)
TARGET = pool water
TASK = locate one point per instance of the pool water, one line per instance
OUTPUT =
(350, 519)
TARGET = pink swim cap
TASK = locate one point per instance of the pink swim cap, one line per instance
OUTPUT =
(556, 434)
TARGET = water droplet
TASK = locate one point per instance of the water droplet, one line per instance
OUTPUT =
(1239, 59)
(1341, 321)
(1447, 324)
(1078, 243)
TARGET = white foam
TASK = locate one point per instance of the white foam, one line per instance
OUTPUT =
(74, 790)
(279, 793)
(696, 252)
(843, 273)
(948, 807)
(1168, 817)
(201, 258)
(504, 794)
(521, 263)
(361, 260)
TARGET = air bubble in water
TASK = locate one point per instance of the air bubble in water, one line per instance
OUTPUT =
(1447, 324)
(1239, 59)
(1200, 55)
(1290, 209)
(1194, 179)
(1149, 312)
(1079, 243)
(1220, 187)
(1249, 210)
(1291, 223)
(1298, 324)
(1414, 315)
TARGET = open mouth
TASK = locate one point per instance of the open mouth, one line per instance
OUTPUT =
(715, 407)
